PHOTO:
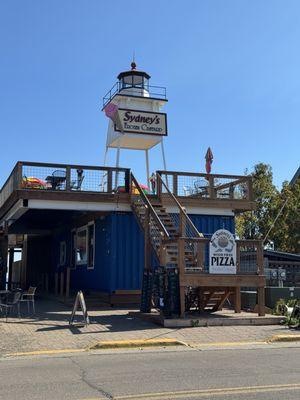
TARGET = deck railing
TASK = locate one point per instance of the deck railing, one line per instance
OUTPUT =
(79, 178)
(206, 186)
(65, 178)
(249, 256)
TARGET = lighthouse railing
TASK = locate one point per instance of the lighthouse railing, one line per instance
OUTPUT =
(153, 91)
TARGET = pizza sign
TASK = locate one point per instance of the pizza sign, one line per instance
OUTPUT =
(222, 253)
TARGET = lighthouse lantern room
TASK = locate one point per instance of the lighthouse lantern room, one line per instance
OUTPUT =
(134, 109)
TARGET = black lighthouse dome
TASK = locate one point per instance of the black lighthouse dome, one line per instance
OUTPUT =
(133, 79)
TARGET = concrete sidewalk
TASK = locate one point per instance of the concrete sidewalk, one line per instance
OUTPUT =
(50, 330)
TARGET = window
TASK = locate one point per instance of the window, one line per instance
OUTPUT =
(62, 253)
(81, 246)
(91, 245)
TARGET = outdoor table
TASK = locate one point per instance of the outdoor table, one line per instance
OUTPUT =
(55, 181)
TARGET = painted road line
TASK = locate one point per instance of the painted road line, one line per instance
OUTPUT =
(44, 352)
(228, 344)
(207, 392)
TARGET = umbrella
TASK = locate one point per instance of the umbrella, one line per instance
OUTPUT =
(209, 159)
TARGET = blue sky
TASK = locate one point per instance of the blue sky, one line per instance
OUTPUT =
(231, 68)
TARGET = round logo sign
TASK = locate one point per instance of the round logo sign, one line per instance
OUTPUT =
(222, 253)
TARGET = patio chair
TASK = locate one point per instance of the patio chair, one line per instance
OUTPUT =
(201, 187)
(188, 191)
(29, 298)
(57, 180)
(13, 300)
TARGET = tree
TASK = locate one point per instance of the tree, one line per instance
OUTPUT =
(255, 224)
(286, 231)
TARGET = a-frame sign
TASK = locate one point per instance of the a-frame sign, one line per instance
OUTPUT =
(80, 301)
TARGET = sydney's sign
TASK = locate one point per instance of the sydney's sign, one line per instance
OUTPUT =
(142, 122)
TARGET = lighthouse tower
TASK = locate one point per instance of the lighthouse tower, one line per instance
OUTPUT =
(134, 109)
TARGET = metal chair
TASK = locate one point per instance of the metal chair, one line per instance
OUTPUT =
(201, 187)
(29, 298)
(188, 191)
(57, 180)
(13, 300)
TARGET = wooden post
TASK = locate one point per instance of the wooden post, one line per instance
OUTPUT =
(238, 257)
(127, 181)
(19, 175)
(56, 283)
(260, 258)
(68, 282)
(211, 187)
(158, 185)
(62, 283)
(261, 301)
(68, 178)
(109, 181)
(237, 301)
(10, 266)
(182, 224)
(175, 185)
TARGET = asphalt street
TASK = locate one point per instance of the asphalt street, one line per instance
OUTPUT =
(269, 373)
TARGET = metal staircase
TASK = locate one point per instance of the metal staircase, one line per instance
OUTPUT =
(163, 229)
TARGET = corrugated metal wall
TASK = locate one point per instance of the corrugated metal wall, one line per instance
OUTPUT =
(119, 251)
(208, 224)
(127, 257)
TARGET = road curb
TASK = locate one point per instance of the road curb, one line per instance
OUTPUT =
(284, 338)
(127, 344)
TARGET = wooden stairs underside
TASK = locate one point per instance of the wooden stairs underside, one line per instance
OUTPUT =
(208, 299)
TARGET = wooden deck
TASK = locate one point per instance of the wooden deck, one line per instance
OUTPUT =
(95, 184)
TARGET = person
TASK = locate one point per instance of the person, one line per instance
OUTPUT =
(152, 180)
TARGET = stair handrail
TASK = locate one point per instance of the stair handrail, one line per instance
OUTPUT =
(181, 209)
(149, 205)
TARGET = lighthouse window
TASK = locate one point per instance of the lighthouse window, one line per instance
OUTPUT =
(127, 81)
(146, 83)
(137, 80)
